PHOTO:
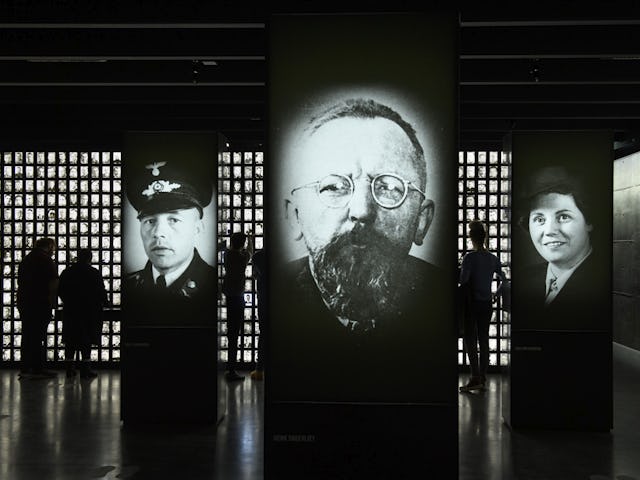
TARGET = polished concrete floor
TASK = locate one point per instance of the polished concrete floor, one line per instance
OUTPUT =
(61, 429)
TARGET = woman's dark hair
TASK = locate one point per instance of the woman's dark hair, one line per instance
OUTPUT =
(556, 179)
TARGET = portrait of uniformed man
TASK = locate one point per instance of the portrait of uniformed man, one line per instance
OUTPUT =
(354, 305)
(169, 199)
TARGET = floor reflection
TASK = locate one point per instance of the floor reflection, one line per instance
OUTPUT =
(70, 429)
(240, 434)
(483, 453)
(59, 428)
(489, 449)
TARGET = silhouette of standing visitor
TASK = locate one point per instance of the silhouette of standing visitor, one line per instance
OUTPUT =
(236, 259)
(83, 295)
(37, 284)
(478, 268)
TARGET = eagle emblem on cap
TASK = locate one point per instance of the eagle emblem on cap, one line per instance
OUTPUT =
(155, 167)
(160, 186)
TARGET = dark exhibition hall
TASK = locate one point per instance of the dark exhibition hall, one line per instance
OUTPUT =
(320, 240)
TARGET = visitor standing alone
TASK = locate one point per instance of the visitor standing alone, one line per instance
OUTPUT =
(478, 268)
(236, 259)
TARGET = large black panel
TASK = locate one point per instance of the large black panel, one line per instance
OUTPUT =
(170, 286)
(561, 275)
(361, 441)
(362, 218)
(560, 380)
(169, 375)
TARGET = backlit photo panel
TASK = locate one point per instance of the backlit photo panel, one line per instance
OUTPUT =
(169, 232)
(562, 220)
(362, 148)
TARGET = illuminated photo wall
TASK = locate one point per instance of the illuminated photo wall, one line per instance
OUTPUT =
(484, 193)
(240, 209)
(74, 198)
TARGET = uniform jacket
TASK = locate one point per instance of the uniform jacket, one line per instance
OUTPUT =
(189, 300)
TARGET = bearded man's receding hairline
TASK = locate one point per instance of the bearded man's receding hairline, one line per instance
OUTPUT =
(368, 109)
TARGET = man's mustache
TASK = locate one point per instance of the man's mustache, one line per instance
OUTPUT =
(362, 237)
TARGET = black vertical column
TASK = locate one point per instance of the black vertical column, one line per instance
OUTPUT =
(560, 372)
(169, 352)
(362, 373)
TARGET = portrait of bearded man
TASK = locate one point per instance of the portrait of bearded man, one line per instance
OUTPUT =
(359, 204)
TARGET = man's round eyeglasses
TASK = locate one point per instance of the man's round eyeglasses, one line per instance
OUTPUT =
(387, 189)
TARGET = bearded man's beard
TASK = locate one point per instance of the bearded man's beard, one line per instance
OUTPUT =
(358, 274)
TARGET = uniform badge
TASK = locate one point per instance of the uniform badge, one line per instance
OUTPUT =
(188, 289)
(160, 186)
(155, 168)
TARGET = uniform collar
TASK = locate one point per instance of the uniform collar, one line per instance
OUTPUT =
(172, 276)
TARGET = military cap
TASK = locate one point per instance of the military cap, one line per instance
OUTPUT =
(161, 186)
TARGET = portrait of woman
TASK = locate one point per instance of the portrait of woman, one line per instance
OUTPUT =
(563, 287)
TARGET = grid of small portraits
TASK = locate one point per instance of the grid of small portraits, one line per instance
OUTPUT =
(484, 187)
(240, 209)
(74, 198)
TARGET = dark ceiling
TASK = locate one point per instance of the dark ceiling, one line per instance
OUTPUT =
(83, 71)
